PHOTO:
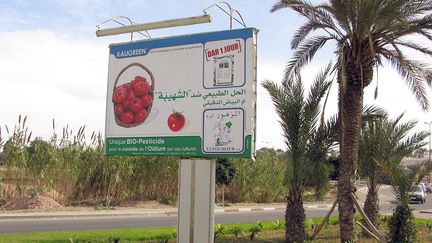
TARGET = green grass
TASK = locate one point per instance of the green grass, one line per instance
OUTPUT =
(142, 234)
(273, 231)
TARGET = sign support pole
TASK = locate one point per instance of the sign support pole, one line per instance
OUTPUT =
(196, 199)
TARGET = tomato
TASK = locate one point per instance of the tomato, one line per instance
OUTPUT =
(147, 100)
(140, 88)
(131, 96)
(127, 117)
(176, 121)
(136, 105)
(118, 109)
(119, 95)
(127, 104)
(140, 116)
(140, 78)
(130, 99)
(127, 86)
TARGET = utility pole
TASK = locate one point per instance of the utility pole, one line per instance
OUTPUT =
(429, 123)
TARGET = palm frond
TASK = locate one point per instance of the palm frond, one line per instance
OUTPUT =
(386, 142)
(411, 144)
(318, 14)
(416, 7)
(341, 14)
(307, 144)
(417, 75)
(426, 34)
(317, 91)
(287, 108)
(425, 169)
(409, 26)
(415, 46)
(401, 180)
(400, 130)
(304, 8)
(373, 112)
(304, 53)
(304, 30)
(320, 142)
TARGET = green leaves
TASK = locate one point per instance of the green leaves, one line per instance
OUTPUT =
(385, 142)
(225, 171)
(228, 124)
(365, 32)
(260, 180)
(298, 117)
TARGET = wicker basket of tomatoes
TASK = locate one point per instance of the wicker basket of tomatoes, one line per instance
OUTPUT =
(133, 100)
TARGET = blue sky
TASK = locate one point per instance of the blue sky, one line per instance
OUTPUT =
(54, 66)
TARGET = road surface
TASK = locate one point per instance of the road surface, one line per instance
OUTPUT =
(140, 221)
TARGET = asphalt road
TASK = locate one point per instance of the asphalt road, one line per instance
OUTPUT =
(113, 222)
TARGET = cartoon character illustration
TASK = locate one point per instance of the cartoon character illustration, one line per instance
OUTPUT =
(222, 131)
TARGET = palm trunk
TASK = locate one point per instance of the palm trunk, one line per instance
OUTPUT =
(294, 218)
(358, 75)
(371, 206)
(351, 104)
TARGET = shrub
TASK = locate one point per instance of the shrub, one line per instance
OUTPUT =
(401, 225)
(255, 229)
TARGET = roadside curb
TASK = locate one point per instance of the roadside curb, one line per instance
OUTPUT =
(81, 214)
(254, 209)
(426, 211)
(166, 212)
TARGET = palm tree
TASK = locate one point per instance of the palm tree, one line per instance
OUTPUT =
(403, 180)
(384, 140)
(365, 33)
(307, 144)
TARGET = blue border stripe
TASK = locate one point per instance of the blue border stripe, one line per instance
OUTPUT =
(181, 40)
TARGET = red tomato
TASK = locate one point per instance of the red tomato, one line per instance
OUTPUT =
(140, 87)
(140, 116)
(127, 104)
(140, 78)
(119, 95)
(176, 121)
(118, 109)
(127, 117)
(131, 95)
(127, 86)
(136, 105)
(147, 100)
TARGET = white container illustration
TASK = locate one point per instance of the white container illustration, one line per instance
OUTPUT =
(223, 71)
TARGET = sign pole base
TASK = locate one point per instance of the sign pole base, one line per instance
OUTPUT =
(196, 199)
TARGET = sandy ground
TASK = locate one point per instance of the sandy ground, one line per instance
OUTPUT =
(37, 202)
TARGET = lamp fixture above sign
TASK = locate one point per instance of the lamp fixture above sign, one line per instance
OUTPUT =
(144, 28)
(206, 18)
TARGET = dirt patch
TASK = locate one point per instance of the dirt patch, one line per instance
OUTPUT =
(145, 204)
(37, 202)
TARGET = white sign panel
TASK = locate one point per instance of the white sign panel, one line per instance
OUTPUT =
(192, 96)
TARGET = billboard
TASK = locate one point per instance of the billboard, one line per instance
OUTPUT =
(188, 96)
